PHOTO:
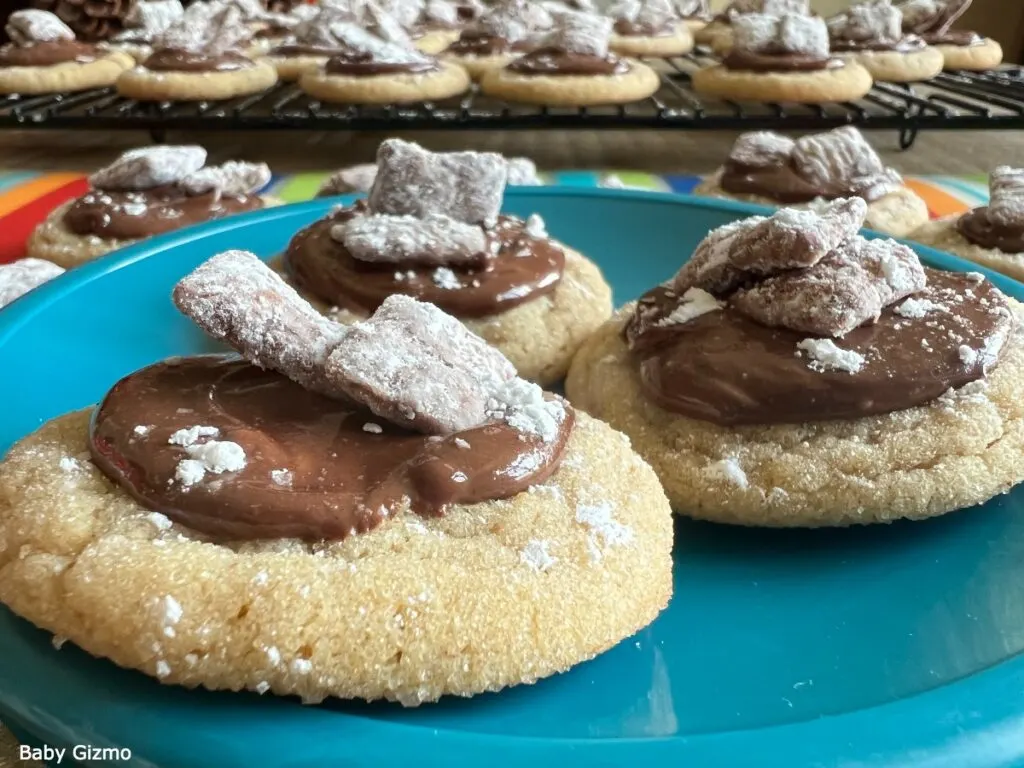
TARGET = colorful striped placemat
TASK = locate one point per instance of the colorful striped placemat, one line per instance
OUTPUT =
(26, 198)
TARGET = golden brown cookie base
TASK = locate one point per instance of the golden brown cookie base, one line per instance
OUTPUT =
(52, 241)
(65, 77)
(978, 58)
(541, 336)
(845, 83)
(943, 235)
(572, 90)
(716, 36)
(477, 66)
(436, 40)
(449, 80)
(417, 609)
(956, 452)
(665, 45)
(146, 85)
(897, 214)
(291, 68)
(896, 67)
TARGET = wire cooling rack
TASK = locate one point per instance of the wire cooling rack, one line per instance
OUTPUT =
(951, 101)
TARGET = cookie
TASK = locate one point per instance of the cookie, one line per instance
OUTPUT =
(899, 67)
(638, 82)
(953, 453)
(716, 35)
(676, 44)
(986, 55)
(846, 83)
(446, 81)
(478, 66)
(146, 85)
(898, 213)
(65, 77)
(291, 68)
(436, 40)
(942, 234)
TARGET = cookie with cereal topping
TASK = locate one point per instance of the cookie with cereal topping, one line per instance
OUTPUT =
(146, 192)
(992, 235)
(432, 228)
(648, 28)
(795, 374)
(382, 511)
(771, 169)
(933, 20)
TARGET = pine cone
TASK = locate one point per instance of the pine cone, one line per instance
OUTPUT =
(91, 20)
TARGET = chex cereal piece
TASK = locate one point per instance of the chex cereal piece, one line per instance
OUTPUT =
(237, 298)
(150, 19)
(417, 367)
(522, 172)
(208, 28)
(388, 25)
(148, 167)
(585, 34)
(757, 246)
(34, 26)
(1006, 193)
(232, 179)
(825, 355)
(467, 186)
(522, 405)
(761, 149)
(689, 8)
(355, 178)
(843, 153)
(791, 33)
(924, 16)
(848, 288)
(441, 12)
(782, 7)
(876, 20)
(20, 277)
(380, 49)
(434, 240)
(406, 12)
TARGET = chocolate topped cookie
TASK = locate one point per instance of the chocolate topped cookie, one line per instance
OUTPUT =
(501, 34)
(934, 20)
(871, 33)
(648, 28)
(377, 511)
(765, 167)
(793, 373)
(147, 192)
(431, 228)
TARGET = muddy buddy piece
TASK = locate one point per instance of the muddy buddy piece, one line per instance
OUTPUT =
(148, 167)
(20, 277)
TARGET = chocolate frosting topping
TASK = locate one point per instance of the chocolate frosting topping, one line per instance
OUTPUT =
(961, 37)
(176, 60)
(315, 468)
(472, 43)
(364, 63)
(46, 54)
(132, 215)
(726, 368)
(978, 227)
(523, 268)
(553, 61)
(305, 49)
(637, 29)
(741, 59)
(906, 44)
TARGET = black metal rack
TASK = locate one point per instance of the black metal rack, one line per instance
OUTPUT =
(952, 101)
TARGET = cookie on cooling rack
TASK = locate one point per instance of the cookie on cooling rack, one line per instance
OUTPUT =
(501, 34)
(199, 58)
(532, 297)
(871, 34)
(648, 28)
(144, 25)
(574, 67)
(718, 34)
(147, 192)
(783, 58)
(933, 20)
(695, 14)
(374, 70)
(343, 532)
(438, 26)
(793, 373)
(771, 169)
(44, 57)
(992, 235)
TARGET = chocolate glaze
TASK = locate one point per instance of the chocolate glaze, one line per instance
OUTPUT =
(272, 31)
(552, 61)
(361, 64)
(777, 62)
(344, 479)
(962, 37)
(523, 269)
(47, 54)
(728, 369)
(174, 60)
(477, 44)
(302, 49)
(907, 44)
(133, 215)
(979, 229)
(634, 29)
(783, 183)
(940, 22)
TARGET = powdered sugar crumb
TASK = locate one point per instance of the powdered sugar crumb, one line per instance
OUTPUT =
(301, 666)
(445, 278)
(917, 308)
(729, 470)
(826, 356)
(463, 444)
(521, 404)
(190, 435)
(695, 302)
(163, 669)
(58, 641)
(598, 517)
(262, 687)
(160, 522)
(282, 477)
(142, 430)
(67, 464)
(375, 429)
(967, 355)
(535, 555)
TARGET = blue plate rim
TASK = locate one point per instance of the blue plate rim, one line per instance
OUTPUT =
(919, 725)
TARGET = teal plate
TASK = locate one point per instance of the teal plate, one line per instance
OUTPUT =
(885, 646)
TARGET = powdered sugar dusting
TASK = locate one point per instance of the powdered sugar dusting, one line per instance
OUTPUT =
(522, 405)
(729, 471)
(693, 303)
(914, 308)
(20, 277)
(535, 555)
(825, 355)
(604, 528)
(433, 239)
